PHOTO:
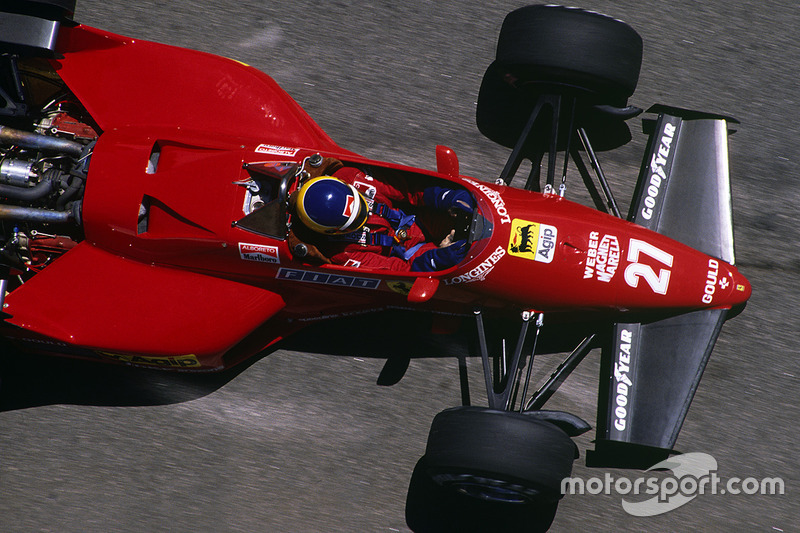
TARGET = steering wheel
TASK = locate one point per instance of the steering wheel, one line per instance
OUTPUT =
(478, 227)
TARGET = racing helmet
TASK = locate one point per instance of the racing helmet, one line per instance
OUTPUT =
(328, 205)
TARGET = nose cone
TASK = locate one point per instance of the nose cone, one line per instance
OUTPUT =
(724, 285)
(738, 287)
(743, 290)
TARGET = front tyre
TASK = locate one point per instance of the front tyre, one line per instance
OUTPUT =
(30, 27)
(565, 51)
(46, 9)
(572, 47)
(432, 508)
(498, 456)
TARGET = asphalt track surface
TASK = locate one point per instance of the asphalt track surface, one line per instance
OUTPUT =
(305, 441)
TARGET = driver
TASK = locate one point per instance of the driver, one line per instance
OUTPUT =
(353, 220)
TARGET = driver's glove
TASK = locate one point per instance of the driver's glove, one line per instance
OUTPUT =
(447, 199)
(441, 258)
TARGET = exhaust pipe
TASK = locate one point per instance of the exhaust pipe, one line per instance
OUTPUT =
(32, 214)
(36, 141)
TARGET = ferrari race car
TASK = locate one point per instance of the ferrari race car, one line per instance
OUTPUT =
(135, 230)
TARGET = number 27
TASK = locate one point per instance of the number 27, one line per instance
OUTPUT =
(635, 270)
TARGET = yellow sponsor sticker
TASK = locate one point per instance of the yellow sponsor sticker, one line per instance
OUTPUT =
(400, 287)
(532, 240)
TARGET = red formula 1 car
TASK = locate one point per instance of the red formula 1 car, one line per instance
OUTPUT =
(137, 230)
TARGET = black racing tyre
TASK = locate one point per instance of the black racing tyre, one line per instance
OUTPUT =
(44, 9)
(431, 508)
(499, 456)
(503, 111)
(560, 51)
(30, 27)
(573, 47)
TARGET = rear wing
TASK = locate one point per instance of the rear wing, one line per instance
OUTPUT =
(650, 371)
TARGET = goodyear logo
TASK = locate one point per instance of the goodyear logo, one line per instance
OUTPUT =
(532, 240)
(180, 361)
(309, 276)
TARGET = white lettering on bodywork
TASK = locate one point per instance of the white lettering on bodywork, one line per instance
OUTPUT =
(495, 198)
(622, 379)
(657, 173)
(480, 272)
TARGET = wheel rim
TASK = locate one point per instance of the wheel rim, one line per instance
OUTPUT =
(487, 489)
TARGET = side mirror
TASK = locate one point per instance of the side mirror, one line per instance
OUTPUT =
(423, 290)
(446, 161)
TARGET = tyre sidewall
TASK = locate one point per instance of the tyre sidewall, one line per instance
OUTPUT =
(501, 446)
(571, 46)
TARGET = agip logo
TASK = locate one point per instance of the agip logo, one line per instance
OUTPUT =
(532, 240)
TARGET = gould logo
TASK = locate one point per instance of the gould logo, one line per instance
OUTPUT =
(532, 240)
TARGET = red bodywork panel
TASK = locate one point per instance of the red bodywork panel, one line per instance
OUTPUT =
(194, 284)
(596, 261)
(126, 82)
(112, 304)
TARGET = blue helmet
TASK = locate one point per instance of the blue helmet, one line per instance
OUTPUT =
(328, 205)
